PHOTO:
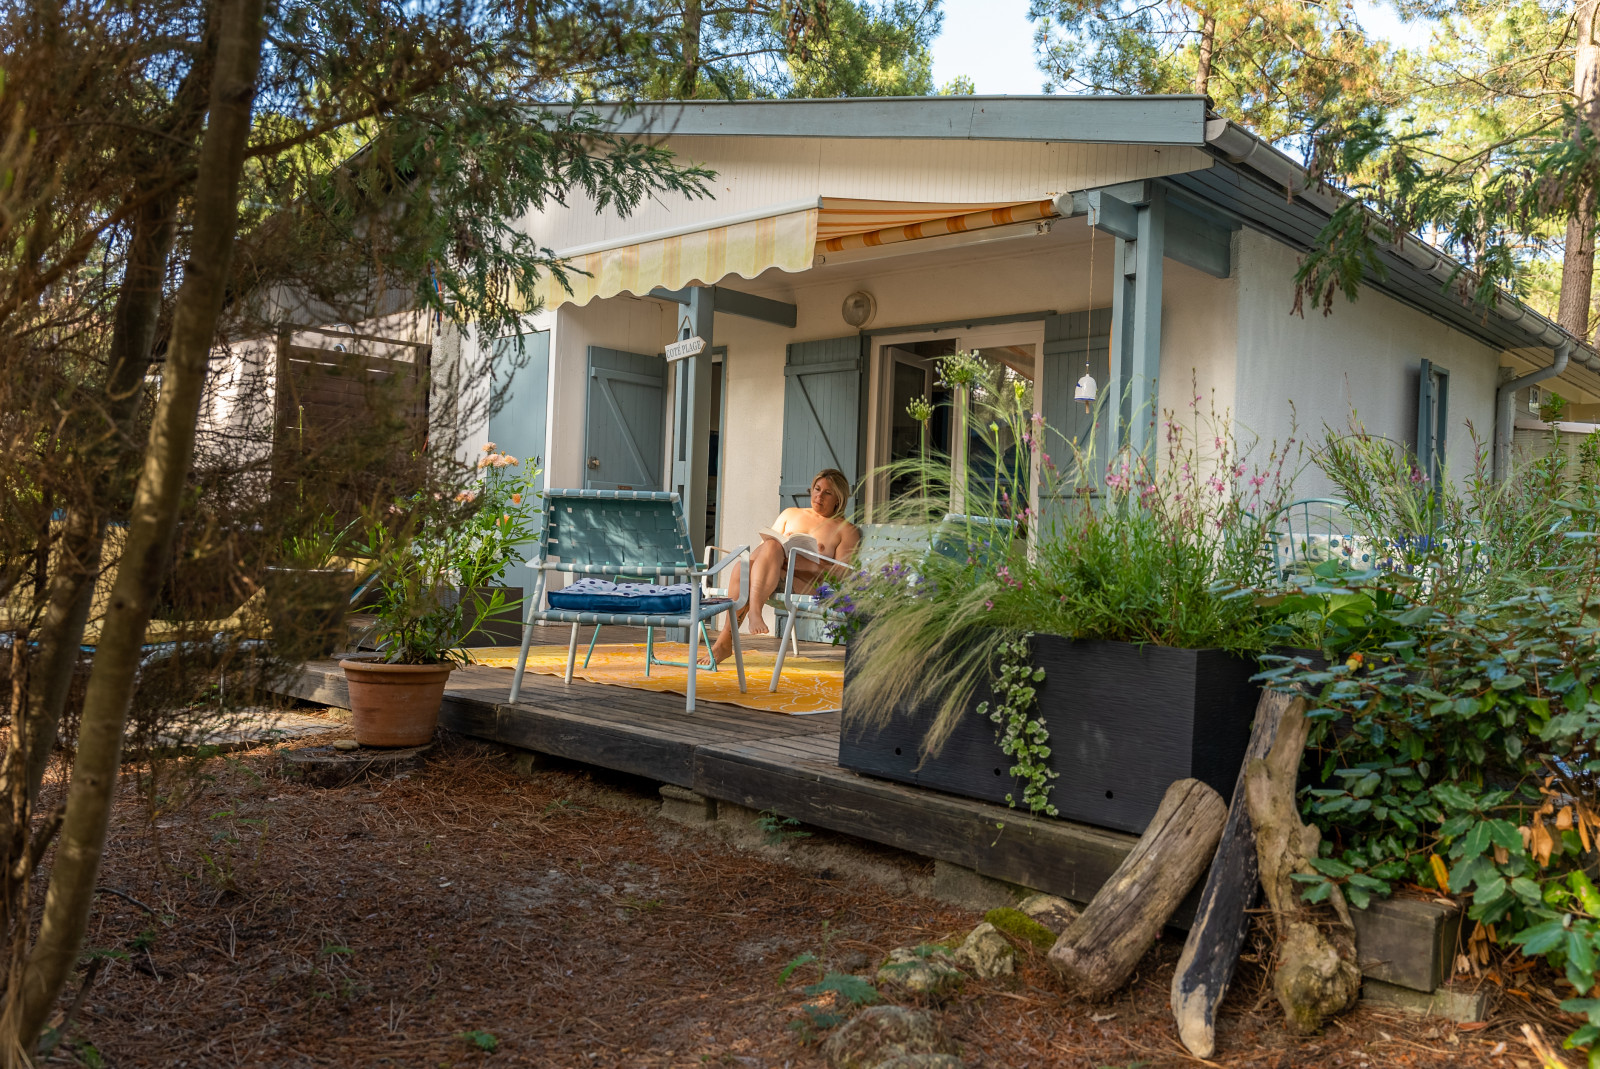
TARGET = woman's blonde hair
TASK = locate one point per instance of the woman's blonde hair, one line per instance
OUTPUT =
(838, 482)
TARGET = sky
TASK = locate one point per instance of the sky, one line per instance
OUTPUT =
(991, 42)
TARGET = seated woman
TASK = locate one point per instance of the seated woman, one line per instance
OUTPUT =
(836, 537)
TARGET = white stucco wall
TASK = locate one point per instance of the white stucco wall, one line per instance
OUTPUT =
(1360, 362)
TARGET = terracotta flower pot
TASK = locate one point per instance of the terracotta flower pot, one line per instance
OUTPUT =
(395, 704)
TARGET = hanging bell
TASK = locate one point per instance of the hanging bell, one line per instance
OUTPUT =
(1085, 391)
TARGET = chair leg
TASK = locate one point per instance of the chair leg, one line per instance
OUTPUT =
(783, 651)
(694, 668)
(592, 641)
(705, 636)
(794, 639)
(649, 650)
(738, 659)
(572, 653)
(522, 662)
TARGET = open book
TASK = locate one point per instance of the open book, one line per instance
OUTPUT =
(791, 541)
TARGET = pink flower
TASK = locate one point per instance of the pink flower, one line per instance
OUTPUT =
(488, 447)
(467, 495)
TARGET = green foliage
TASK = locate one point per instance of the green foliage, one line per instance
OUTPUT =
(1457, 719)
(778, 829)
(484, 1041)
(846, 990)
(433, 563)
(1022, 738)
(1272, 66)
(1131, 550)
(1021, 927)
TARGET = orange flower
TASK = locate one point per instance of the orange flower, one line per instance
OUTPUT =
(516, 499)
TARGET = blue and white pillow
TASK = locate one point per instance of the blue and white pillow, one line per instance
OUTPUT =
(638, 599)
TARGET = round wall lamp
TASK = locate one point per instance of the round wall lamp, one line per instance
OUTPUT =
(859, 308)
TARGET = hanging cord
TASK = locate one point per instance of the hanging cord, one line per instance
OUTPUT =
(1088, 318)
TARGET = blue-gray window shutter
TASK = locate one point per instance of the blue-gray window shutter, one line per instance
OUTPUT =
(823, 396)
(1433, 420)
(518, 419)
(1070, 342)
(624, 447)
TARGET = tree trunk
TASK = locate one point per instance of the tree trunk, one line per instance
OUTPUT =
(689, 41)
(1208, 42)
(1097, 954)
(36, 985)
(1317, 975)
(1211, 951)
(1577, 264)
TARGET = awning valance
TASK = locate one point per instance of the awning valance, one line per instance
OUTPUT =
(789, 238)
(786, 241)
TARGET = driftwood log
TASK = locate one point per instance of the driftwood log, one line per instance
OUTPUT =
(1211, 953)
(1098, 953)
(1317, 975)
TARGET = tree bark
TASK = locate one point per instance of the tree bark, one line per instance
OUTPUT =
(35, 986)
(1577, 264)
(1208, 42)
(689, 41)
(1317, 975)
(1099, 952)
(1211, 952)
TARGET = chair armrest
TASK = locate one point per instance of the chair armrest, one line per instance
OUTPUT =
(713, 569)
(820, 558)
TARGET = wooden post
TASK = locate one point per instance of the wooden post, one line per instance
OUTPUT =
(1098, 953)
(1211, 952)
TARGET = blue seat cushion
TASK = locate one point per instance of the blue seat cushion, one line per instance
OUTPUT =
(638, 599)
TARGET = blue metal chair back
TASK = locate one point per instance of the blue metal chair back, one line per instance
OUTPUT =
(615, 532)
(960, 537)
(1313, 530)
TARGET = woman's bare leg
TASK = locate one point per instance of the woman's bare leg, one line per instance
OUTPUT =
(767, 567)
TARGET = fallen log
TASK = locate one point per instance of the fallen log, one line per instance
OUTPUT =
(1098, 953)
(1211, 953)
(1317, 975)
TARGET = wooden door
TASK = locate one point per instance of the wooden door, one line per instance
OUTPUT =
(623, 437)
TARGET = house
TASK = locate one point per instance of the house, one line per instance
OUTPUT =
(848, 242)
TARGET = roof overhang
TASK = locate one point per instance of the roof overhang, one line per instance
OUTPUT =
(1121, 120)
(1267, 191)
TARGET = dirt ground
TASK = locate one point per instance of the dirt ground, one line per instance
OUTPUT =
(560, 921)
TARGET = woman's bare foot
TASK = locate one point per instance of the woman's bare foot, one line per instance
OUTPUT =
(758, 624)
(722, 646)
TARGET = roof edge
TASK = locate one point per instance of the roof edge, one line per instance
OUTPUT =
(1232, 142)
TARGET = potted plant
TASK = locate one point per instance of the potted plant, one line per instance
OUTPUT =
(435, 560)
(1080, 661)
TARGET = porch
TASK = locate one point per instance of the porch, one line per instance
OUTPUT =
(758, 762)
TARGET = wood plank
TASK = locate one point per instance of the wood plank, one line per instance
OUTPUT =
(1070, 860)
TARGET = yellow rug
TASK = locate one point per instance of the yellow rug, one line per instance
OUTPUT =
(809, 685)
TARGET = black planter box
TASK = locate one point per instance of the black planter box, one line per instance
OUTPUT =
(1125, 722)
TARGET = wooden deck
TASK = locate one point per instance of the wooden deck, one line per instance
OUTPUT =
(789, 764)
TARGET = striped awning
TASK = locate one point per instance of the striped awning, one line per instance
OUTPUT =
(789, 239)
(746, 248)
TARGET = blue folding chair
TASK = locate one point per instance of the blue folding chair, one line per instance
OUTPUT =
(620, 534)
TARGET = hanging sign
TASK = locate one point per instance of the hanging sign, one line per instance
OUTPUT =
(681, 350)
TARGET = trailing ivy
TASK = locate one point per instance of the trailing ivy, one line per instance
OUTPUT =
(1022, 738)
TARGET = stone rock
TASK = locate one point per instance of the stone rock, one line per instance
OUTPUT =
(922, 971)
(922, 1061)
(882, 1033)
(986, 952)
(1056, 914)
(345, 744)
